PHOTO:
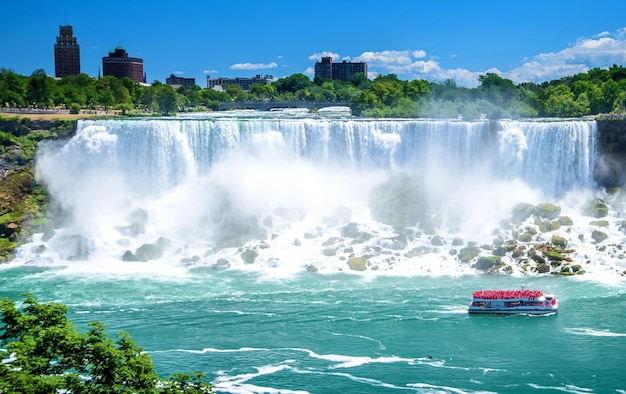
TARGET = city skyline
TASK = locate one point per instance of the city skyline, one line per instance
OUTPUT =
(530, 41)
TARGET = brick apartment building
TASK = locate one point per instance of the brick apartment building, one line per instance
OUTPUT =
(176, 82)
(245, 83)
(343, 71)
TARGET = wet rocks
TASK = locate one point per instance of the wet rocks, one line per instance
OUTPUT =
(249, 255)
(357, 264)
(547, 211)
(148, 251)
(74, 247)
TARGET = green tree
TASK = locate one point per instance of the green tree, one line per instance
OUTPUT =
(40, 88)
(165, 97)
(263, 91)
(47, 354)
(496, 89)
(12, 88)
(359, 80)
(234, 90)
(106, 99)
(293, 84)
(561, 102)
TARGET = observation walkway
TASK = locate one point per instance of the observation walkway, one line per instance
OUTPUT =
(268, 105)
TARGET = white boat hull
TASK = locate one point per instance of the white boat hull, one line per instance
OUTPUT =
(512, 311)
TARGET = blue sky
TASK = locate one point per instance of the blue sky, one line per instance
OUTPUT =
(530, 40)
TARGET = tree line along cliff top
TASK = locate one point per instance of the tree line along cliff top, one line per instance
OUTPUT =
(598, 91)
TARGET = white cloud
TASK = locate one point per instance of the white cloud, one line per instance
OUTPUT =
(253, 66)
(309, 71)
(586, 53)
(178, 72)
(411, 64)
(384, 57)
(603, 50)
(210, 72)
(318, 56)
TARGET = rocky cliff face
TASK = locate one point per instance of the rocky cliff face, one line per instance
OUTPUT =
(611, 164)
(24, 204)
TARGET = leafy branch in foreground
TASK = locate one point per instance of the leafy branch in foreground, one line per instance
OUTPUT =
(45, 353)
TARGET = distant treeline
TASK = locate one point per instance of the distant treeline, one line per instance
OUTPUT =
(594, 92)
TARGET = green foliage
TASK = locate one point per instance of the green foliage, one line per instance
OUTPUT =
(296, 84)
(45, 353)
(597, 91)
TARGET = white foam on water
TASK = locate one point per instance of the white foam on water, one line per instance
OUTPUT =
(585, 331)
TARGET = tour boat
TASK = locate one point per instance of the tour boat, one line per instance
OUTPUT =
(532, 302)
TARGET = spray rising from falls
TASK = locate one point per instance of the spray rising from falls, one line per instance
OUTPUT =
(306, 193)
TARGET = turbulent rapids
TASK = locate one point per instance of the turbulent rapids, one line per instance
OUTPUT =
(283, 194)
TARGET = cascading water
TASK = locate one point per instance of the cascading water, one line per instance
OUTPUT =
(288, 187)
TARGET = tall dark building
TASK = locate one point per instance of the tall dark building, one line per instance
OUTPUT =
(325, 68)
(119, 65)
(343, 71)
(66, 53)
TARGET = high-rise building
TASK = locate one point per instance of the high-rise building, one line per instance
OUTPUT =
(66, 53)
(343, 71)
(119, 65)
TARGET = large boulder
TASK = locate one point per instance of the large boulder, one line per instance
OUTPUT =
(559, 241)
(597, 208)
(221, 264)
(147, 252)
(469, 253)
(598, 236)
(547, 211)
(357, 264)
(522, 211)
(249, 255)
(351, 230)
(485, 263)
(74, 247)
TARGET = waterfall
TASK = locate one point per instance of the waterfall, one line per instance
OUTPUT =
(156, 154)
(554, 156)
(209, 184)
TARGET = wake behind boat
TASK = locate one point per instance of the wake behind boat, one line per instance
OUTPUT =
(532, 302)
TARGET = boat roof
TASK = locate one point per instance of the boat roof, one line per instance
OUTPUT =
(506, 294)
